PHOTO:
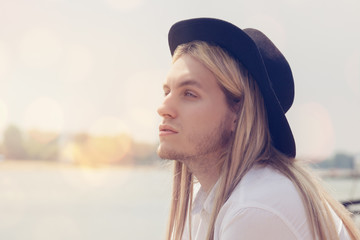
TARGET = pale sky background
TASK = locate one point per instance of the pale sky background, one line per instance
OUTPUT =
(99, 65)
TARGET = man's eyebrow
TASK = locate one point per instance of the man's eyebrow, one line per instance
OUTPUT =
(186, 83)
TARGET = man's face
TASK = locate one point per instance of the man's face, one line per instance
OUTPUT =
(197, 120)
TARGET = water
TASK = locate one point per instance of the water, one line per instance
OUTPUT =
(56, 201)
(51, 201)
(345, 189)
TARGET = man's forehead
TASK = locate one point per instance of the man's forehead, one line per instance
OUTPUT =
(182, 83)
(183, 73)
(188, 71)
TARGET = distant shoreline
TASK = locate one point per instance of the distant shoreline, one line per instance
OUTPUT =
(337, 173)
(46, 164)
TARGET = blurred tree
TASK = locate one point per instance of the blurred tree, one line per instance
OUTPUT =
(13, 143)
(343, 160)
(142, 154)
(81, 138)
(1, 151)
(339, 160)
(41, 145)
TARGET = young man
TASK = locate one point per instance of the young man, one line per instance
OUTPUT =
(224, 124)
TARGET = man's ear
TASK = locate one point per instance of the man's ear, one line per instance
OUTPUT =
(235, 115)
(236, 106)
(234, 121)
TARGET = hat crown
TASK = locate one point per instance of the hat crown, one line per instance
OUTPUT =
(277, 67)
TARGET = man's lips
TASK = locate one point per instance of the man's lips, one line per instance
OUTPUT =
(166, 130)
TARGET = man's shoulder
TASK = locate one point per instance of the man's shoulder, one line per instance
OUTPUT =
(266, 193)
(264, 183)
(264, 188)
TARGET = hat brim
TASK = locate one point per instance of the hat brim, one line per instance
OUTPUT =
(241, 47)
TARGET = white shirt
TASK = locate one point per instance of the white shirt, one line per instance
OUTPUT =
(264, 205)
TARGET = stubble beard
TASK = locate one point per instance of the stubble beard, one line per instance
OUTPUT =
(212, 144)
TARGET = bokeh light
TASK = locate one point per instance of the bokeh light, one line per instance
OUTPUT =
(144, 118)
(108, 126)
(94, 151)
(44, 114)
(77, 65)
(141, 112)
(3, 115)
(80, 82)
(4, 60)
(106, 142)
(313, 131)
(40, 48)
(41, 136)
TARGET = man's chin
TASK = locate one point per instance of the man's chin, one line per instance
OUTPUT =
(160, 152)
(163, 153)
(170, 154)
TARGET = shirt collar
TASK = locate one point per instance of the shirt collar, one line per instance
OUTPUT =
(204, 201)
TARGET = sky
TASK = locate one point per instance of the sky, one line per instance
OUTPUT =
(98, 65)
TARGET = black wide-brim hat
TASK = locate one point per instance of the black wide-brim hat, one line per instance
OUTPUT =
(261, 58)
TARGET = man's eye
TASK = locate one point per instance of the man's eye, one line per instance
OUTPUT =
(189, 94)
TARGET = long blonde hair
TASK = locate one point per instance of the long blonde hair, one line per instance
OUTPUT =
(251, 145)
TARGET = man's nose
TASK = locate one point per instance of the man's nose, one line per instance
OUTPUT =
(167, 108)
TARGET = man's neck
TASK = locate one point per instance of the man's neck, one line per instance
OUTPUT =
(206, 171)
